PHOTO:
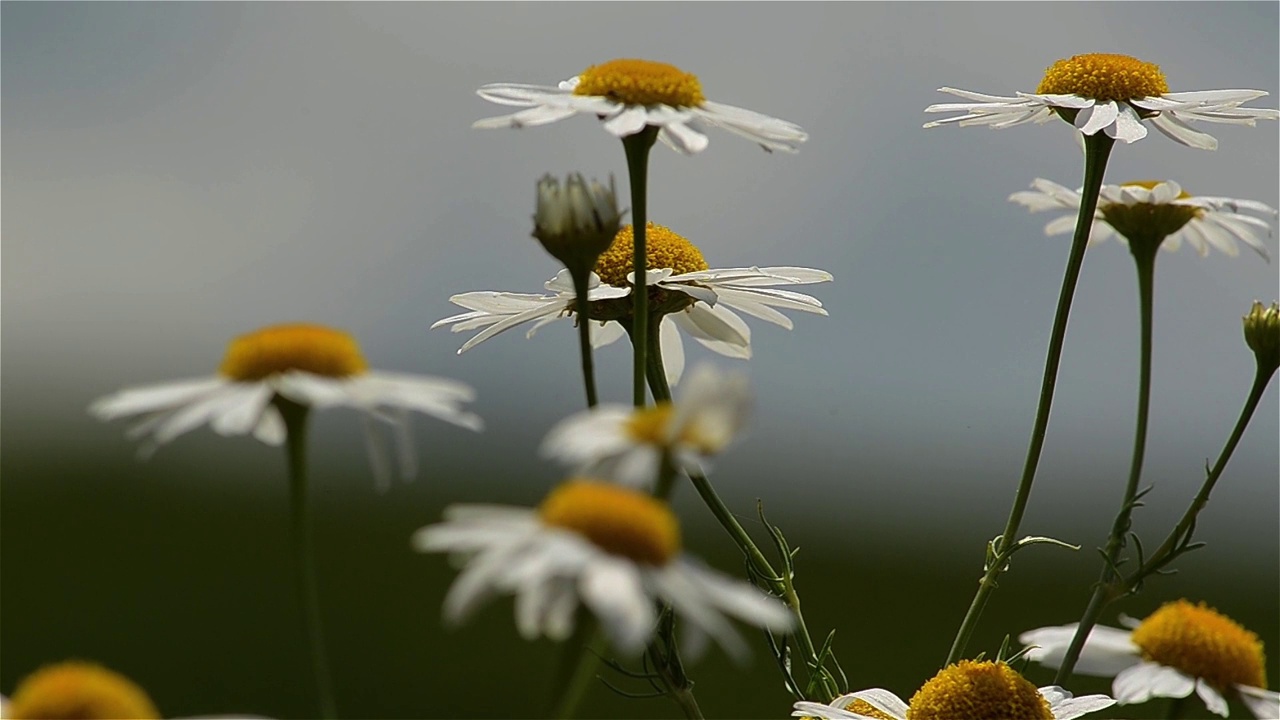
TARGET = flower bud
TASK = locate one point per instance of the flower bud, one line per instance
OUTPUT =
(1262, 333)
(576, 222)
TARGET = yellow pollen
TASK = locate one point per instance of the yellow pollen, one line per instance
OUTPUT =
(616, 519)
(1104, 77)
(862, 707)
(641, 82)
(663, 249)
(281, 348)
(77, 690)
(1202, 643)
(978, 691)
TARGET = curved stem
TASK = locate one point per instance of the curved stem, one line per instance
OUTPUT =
(583, 311)
(1097, 148)
(576, 678)
(295, 422)
(637, 148)
(1144, 255)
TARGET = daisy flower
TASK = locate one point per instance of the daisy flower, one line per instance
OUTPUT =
(1162, 209)
(967, 690)
(1113, 94)
(628, 444)
(1178, 649)
(628, 95)
(690, 296)
(310, 365)
(615, 549)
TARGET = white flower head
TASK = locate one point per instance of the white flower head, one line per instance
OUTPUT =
(628, 95)
(967, 690)
(1111, 93)
(627, 444)
(692, 298)
(1156, 211)
(615, 550)
(1179, 649)
(310, 365)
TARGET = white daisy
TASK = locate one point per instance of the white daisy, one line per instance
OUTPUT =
(1178, 649)
(690, 297)
(627, 444)
(614, 549)
(628, 95)
(311, 365)
(1111, 93)
(1161, 208)
(967, 690)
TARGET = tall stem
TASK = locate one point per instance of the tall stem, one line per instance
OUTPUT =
(295, 422)
(1097, 148)
(637, 148)
(583, 311)
(1144, 255)
(575, 677)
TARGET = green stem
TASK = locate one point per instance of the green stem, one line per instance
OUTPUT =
(583, 311)
(1097, 148)
(295, 422)
(637, 148)
(576, 678)
(1144, 255)
(1182, 531)
(1175, 707)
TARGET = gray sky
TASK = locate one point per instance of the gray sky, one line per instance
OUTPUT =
(177, 174)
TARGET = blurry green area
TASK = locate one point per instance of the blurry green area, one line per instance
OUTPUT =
(185, 585)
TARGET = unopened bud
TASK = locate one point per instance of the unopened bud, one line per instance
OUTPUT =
(577, 221)
(1262, 333)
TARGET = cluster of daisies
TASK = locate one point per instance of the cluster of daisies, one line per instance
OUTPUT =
(601, 539)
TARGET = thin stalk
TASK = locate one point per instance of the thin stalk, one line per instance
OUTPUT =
(576, 679)
(1097, 148)
(637, 148)
(583, 311)
(295, 422)
(1181, 531)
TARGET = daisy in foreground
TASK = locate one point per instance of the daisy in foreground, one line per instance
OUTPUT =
(614, 549)
(628, 445)
(628, 95)
(684, 291)
(308, 365)
(967, 690)
(1111, 93)
(1161, 208)
(1178, 649)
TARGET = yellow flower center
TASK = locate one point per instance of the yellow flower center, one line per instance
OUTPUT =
(1202, 643)
(1104, 77)
(616, 519)
(281, 348)
(1149, 223)
(978, 691)
(663, 249)
(641, 82)
(862, 707)
(76, 690)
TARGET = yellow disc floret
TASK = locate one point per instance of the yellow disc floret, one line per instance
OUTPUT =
(641, 82)
(663, 249)
(978, 691)
(1104, 77)
(1202, 643)
(280, 348)
(615, 519)
(866, 709)
(77, 690)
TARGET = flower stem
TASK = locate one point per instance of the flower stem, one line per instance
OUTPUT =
(295, 422)
(583, 311)
(1178, 538)
(1144, 255)
(637, 148)
(1097, 148)
(587, 643)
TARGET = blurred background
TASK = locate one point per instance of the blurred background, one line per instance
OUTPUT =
(177, 174)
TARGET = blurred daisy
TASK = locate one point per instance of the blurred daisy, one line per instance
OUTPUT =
(614, 549)
(965, 691)
(310, 365)
(689, 295)
(1111, 93)
(1155, 208)
(628, 95)
(627, 444)
(1179, 648)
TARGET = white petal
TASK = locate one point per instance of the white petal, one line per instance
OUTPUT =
(672, 350)
(612, 589)
(135, 401)
(683, 139)
(1065, 707)
(1264, 704)
(884, 701)
(1102, 115)
(630, 121)
(1146, 680)
(1106, 651)
(1127, 127)
(806, 709)
(1212, 698)
(1177, 130)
